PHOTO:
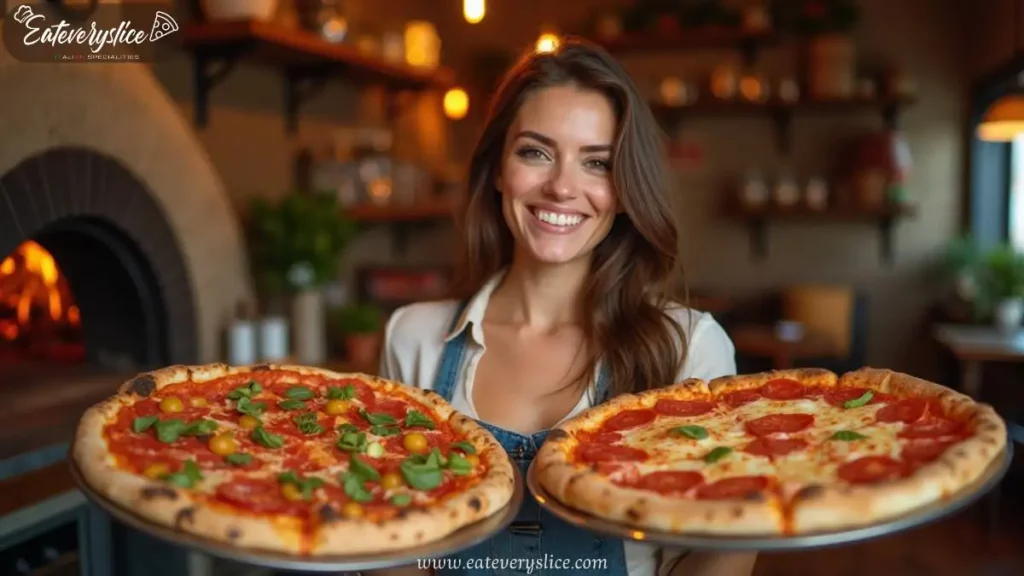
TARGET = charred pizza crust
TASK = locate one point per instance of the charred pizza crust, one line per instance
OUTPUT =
(815, 507)
(188, 511)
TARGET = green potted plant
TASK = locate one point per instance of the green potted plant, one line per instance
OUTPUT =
(1002, 286)
(359, 329)
(295, 246)
(830, 53)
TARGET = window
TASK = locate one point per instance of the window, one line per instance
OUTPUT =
(1015, 213)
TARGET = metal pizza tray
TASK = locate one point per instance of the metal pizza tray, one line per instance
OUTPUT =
(467, 537)
(698, 541)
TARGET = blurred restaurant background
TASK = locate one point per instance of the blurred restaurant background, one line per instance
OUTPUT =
(846, 179)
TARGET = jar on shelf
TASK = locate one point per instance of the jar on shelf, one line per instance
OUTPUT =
(787, 191)
(754, 194)
(816, 194)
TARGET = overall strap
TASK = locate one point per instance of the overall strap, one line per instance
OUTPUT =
(451, 358)
(604, 388)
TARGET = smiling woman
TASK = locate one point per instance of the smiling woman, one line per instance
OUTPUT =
(564, 293)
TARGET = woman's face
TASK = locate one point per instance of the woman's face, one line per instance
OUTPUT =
(555, 177)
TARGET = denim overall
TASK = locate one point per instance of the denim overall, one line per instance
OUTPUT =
(536, 539)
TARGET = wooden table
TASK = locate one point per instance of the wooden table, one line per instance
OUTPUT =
(973, 346)
(757, 340)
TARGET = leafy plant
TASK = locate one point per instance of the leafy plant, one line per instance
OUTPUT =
(812, 17)
(961, 256)
(296, 243)
(356, 319)
(1002, 274)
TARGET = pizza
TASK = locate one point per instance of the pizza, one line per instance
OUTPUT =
(291, 459)
(776, 453)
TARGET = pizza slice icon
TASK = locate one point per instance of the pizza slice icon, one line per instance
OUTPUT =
(163, 25)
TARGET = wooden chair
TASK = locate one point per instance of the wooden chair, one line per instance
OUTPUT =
(835, 312)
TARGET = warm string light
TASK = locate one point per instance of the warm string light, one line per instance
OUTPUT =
(474, 10)
(547, 42)
(456, 104)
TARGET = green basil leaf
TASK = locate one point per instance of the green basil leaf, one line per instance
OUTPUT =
(847, 435)
(200, 428)
(417, 418)
(291, 404)
(355, 488)
(858, 402)
(299, 393)
(466, 447)
(695, 432)
(402, 500)
(307, 424)
(385, 430)
(458, 464)
(191, 469)
(255, 387)
(346, 392)
(717, 454)
(421, 476)
(288, 476)
(378, 419)
(142, 423)
(246, 406)
(348, 427)
(240, 392)
(363, 470)
(180, 479)
(168, 431)
(238, 459)
(267, 439)
(352, 442)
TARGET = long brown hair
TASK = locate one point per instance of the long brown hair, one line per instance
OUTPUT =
(634, 269)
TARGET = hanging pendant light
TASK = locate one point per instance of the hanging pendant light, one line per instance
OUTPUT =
(1004, 119)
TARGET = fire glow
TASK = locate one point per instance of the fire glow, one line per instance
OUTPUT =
(35, 300)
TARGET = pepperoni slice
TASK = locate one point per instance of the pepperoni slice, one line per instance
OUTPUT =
(779, 424)
(602, 438)
(683, 407)
(840, 396)
(907, 411)
(741, 397)
(629, 419)
(769, 447)
(923, 452)
(605, 453)
(739, 487)
(782, 389)
(871, 469)
(258, 496)
(931, 428)
(670, 481)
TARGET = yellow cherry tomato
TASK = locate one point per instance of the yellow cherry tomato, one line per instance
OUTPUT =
(171, 404)
(336, 407)
(197, 402)
(156, 470)
(391, 480)
(352, 510)
(415, 442)
(248, 422)
(223, 444)
(291, 492)
(473, 459)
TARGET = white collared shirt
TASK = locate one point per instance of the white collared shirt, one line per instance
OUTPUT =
(415, 337)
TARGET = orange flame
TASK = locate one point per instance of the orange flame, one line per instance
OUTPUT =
(30, 278)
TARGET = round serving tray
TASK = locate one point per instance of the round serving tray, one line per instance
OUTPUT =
(467, 537)
(956, 502)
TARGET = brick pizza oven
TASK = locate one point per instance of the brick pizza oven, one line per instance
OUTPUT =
(119, 252)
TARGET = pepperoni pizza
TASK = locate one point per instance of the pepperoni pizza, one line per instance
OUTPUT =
(777, 453)
(291, 459)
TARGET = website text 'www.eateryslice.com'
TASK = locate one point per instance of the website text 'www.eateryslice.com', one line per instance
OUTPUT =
(528, 565)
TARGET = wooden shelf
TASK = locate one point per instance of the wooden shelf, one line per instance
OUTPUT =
(885, 217)
(781, 113)
(306, 61)
(695, 39)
